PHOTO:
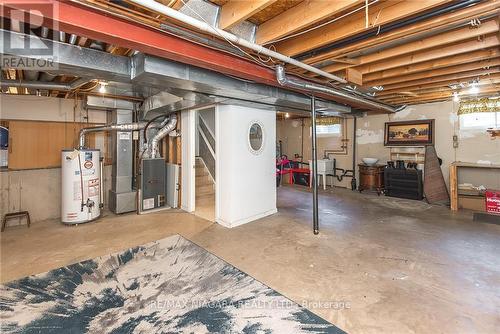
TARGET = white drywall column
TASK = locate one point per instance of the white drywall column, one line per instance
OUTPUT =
(246, 182)
(188, 135)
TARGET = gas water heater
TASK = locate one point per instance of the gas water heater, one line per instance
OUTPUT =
(81, 186)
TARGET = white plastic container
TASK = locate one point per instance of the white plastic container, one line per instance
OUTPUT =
(80, 168)
(325, 166)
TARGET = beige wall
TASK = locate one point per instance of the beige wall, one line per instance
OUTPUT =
(474, 145)
(40, 108)
(289, 132)
(39, 190)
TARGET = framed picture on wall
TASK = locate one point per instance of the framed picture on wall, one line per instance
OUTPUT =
(409, 133)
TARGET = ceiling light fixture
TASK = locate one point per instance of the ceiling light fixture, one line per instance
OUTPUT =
(456, 98)
(102, 87)
(287, 115)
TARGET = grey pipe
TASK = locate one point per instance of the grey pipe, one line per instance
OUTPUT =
(45, 85)
(312, 87)
(72, 39)
(170, 126)
(45, 32)
(101, 181)
(111, 127)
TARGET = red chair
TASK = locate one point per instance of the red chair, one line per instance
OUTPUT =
(283, 167)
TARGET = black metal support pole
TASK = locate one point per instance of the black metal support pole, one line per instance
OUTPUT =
(353, 181)
(314, 159)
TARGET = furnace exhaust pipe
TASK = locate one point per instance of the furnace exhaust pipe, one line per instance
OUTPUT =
(164, 131)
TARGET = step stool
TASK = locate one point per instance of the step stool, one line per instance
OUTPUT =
(19, 214)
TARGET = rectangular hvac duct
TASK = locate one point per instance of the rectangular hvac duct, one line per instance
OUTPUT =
(122, 196)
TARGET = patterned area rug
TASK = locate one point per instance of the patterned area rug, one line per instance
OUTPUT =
(167, 286)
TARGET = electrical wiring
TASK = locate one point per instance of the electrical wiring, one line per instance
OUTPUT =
(258, 60)
(320, 25)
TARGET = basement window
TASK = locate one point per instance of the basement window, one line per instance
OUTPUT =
(480, 120)
(333, 130)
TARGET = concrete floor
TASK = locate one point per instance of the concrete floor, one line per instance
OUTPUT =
(205, 207)
(400, 266)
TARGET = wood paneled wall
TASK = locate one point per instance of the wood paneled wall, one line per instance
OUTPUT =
(38, 144)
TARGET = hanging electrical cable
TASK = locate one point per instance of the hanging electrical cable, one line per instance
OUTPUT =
(322, 24)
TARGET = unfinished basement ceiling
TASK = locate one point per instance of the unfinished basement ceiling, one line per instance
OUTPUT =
(403, 52)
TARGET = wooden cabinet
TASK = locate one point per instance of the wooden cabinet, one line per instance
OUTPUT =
(371, 178)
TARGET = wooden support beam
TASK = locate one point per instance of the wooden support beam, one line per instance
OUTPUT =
(236, 11)
(486, 8)
(354, 76)
(305, 14)
(383, 13)
(458, 70)
(433, 64)
(440, 52)
(449, 37)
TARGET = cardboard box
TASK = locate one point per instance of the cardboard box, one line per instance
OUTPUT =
(475, 203)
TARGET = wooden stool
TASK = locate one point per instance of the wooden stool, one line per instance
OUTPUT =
(19, 214)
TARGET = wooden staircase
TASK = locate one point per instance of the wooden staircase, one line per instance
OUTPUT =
(205, 192)
(205, 186)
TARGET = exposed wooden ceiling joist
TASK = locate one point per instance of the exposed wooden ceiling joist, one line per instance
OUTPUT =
(449, 37)
(485, 82)
(462, 16)
(451, 70)
(434, 64)
(436, 53)
(301, 16)
(433, 96)
(236, 11)
(490, 78)
(480, 74)
(379, 14)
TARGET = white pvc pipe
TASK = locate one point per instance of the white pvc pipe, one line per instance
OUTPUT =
(203, 26)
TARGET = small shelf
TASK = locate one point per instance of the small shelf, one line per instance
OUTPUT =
(471, 196)
(408, 153)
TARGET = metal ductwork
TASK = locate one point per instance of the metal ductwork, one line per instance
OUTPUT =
(214, 31)
(45, 85)
(164, 131)
(122, 195)
(312, 87)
